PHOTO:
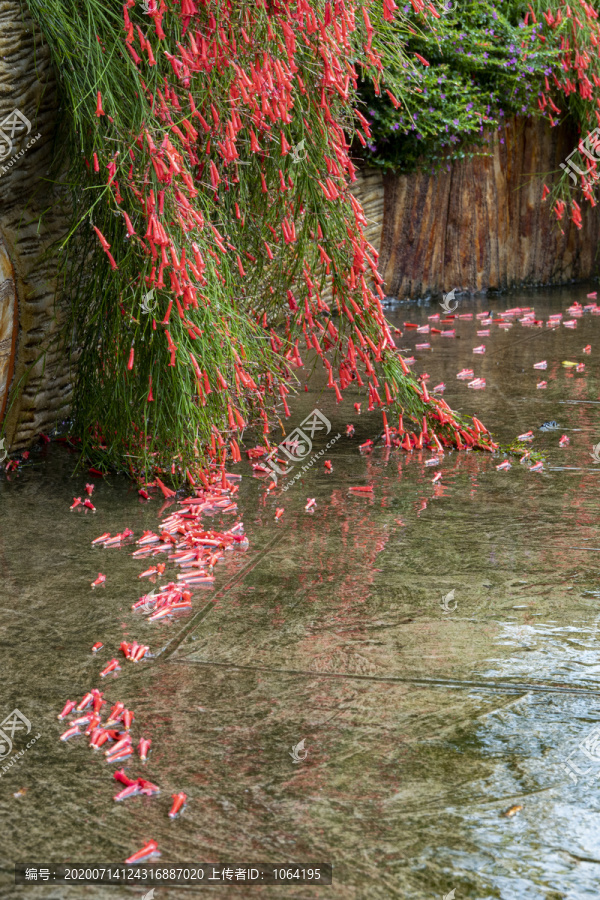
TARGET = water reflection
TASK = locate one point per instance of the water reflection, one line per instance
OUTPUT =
(421, 726)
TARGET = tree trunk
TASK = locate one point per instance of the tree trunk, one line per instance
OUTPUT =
(34, 376)
(482, 225)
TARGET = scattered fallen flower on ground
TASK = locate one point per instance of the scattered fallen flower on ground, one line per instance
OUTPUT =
(179, 801)
(148, 851)
(112, 666)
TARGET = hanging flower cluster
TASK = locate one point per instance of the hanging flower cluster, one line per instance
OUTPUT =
(215, 140)
(576, 78)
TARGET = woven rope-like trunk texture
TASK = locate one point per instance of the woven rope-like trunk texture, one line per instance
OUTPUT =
(34, 371)
(482, 225)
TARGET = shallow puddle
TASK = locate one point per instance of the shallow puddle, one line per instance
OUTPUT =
(436, 647)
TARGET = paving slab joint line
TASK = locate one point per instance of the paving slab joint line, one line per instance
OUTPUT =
(171, 646)
(398, 679)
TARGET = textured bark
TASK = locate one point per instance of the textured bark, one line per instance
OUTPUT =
(9, 325)
(482, 225)
(32, 217)
(368, 189)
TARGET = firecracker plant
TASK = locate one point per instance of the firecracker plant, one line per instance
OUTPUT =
(216, 245)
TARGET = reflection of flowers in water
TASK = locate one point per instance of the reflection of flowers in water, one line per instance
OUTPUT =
(590, 745)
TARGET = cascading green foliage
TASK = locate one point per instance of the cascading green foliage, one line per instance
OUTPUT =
(208, 161)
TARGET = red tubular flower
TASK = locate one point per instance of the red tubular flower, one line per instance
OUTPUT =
(130, 228)
(99, 110)
(102, 239)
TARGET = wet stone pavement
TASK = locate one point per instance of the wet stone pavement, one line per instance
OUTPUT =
(421, 726)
